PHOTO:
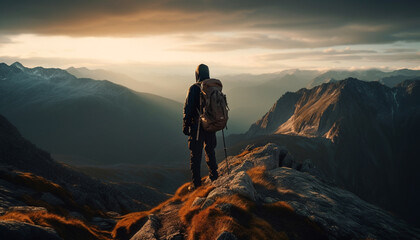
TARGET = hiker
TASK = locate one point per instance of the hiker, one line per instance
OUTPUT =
(201, 131)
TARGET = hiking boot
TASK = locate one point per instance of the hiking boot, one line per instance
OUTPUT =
(210, 180)
(192, 188)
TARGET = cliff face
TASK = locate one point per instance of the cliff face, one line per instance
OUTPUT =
(373, 130)
(260, 197)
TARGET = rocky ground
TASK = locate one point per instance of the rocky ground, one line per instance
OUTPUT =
(264, 194)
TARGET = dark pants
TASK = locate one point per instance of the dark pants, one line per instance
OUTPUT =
(208, 141)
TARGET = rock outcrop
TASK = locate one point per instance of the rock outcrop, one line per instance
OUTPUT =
(256, 198)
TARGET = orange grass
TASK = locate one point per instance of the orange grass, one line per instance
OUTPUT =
(211, 222)
(245, 152)
(187, 211)
(250, 221)
(246, 219)
(260, 177)
(67, 228)
(130, 223)
(35, 182)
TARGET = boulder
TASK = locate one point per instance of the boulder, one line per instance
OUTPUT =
(198, 201)
(207, 203)
(149, 229)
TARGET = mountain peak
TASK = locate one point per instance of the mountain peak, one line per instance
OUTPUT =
(18, 65)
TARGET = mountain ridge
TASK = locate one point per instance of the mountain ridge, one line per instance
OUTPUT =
(373, 130)
(78, 117)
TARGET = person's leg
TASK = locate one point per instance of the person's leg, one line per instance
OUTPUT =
(196, 150)
(210, 144)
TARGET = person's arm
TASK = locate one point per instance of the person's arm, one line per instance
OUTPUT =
(190, 108)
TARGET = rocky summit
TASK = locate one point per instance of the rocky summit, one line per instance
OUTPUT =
(263, 193)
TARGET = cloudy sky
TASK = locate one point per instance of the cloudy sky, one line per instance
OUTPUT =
(231, 36)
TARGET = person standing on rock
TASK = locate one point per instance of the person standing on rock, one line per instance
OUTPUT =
(198, 137)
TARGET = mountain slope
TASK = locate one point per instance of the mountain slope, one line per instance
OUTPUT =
(117, 78)
(47, 195)
(262, 199)
(89, 121)
(248, 102)
(374, 130)
(20, 159)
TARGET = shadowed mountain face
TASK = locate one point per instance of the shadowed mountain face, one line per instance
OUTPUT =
(374, 133)
(90, 121)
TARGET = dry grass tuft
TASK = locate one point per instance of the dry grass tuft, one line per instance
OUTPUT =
(246, 152)
(37, 183)
(129, 224)
(211, 222)
(187, 212)
(67, 228)
(250, 221)
(260, 177)
(282, 205)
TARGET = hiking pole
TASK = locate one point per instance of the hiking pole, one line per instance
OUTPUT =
(224, 145)
(199, 115)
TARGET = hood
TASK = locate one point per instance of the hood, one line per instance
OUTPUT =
(202, 73)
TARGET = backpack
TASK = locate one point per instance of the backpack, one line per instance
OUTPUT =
(214, 115)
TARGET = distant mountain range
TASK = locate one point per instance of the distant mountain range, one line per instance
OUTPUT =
(117, 78)
(365, 75)
(249, 102)
(373, 132)
(82, 120)
(249, 95)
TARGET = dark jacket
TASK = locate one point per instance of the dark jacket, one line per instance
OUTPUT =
(192, 102)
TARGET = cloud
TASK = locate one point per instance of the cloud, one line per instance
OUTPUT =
(5, 39)
(342, 55)
(294, 24)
